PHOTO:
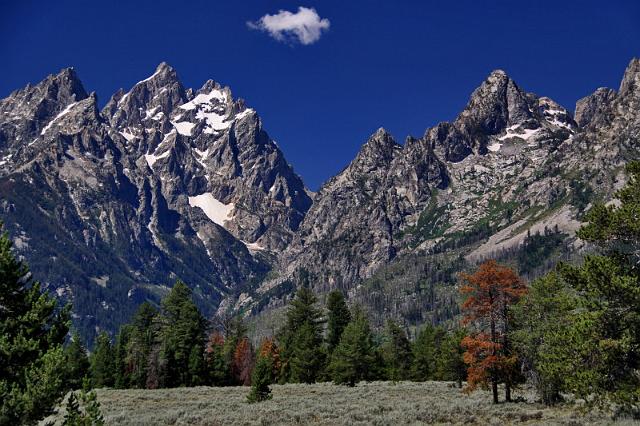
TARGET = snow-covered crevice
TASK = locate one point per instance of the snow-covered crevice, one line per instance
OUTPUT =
(525, 134)
(57, 117)
(214, 209)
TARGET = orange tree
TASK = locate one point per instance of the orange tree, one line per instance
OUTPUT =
(489, 292)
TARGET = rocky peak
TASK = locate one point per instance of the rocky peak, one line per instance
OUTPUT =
(46, 99)
(379, 149)
(631, 80)
(493, 106)
(150, 100)
(592, 107)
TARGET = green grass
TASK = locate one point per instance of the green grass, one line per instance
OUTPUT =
(376, 403)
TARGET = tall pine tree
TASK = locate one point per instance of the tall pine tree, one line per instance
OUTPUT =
(183, 329)
(32, 332)
(396, 352)
(103, 362)
(338, 318)
(354, 356)
(301, 339)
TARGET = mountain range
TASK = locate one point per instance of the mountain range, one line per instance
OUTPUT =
(110, 206)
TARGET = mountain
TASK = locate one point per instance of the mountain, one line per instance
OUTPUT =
(509, 178)
(110, 207)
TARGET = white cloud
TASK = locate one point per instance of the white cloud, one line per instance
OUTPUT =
(305, 25)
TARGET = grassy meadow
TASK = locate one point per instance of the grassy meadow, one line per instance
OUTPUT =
(375, 403)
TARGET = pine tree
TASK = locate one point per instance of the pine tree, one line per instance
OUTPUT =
(32, 332)
(261, 379)
(352, 358)
(144, 333)
(76, 361)
(425, 351)
(544, 317)
(307, 358)
(338, 318)
(450, 365)
(103, 362)
(122, 372)
(217, 367)
(183, 329)
(397, 353)
(73, 415)
(301, 339)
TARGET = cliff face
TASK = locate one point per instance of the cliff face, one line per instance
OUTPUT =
(111, 206)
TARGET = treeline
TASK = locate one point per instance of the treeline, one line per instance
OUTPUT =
(175, 346)
(575, 331)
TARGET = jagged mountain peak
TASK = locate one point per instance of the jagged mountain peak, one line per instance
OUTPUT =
(379, 149)
(496, 104)
(631, 80)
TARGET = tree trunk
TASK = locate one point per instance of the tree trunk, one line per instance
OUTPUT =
(506, 350)
(494, 377)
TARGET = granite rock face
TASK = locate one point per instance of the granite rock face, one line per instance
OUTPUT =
(401, 220)
(109, 207)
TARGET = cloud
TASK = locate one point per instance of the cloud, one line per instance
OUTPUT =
(304, 26)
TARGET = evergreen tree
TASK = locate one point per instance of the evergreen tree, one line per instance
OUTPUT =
(217, 367)
(606, 331)
(76, 362)
(234, 331)
(301, 339)
(144, 333)
(121, 368)
(307, 358)
(183, 330)
(450, 365)
(338, 318)
(103, 362)
(544, 317)
(425, 352)
(352, 358)
(32, 332)
(260, 380)
(397, 353)
(88, 415)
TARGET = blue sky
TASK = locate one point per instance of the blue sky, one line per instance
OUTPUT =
(402, 65)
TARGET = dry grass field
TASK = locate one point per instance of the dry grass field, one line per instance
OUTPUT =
(376, 403)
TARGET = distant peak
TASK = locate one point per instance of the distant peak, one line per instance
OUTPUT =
(163, 66)
(381, 133)
(631, 80)
(381, 140)
(163, 74)
(67, 86)
(498, 73)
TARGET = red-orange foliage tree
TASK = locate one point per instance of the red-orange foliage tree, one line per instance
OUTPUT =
(269, 349)
(489, 292)
(243, 360)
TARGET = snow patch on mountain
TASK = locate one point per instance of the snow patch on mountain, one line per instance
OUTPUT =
(151, 158)
(183, 127)
(214, 209)
(62, 113)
